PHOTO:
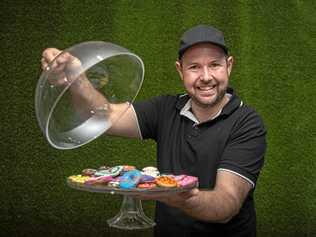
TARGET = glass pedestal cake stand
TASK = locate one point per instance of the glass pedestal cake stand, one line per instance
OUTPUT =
(131, 215)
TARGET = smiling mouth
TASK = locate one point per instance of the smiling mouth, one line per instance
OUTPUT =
(206, 88)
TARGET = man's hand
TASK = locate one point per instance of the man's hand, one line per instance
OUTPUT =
(178, 200)
(62, 69)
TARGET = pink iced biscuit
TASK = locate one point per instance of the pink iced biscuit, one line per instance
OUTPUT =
(178, 177)
(99, 180)
(187, 181)
(117, 179)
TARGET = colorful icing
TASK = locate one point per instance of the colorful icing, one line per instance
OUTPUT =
(130, 179)
(79, 178)
(150, 170)
(99, 180)
(187, 181)
(127, 177)
(114, 171)
(166, 181)
(146, 178)
(147, 185)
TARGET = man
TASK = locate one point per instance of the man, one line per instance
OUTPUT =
(208, 133)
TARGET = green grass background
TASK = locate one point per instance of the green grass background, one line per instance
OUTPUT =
(274, 47)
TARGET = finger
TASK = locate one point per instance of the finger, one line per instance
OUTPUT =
(48, 56)
(63, 58)
(64, 61)
(189, 193)
(44, 64)
(50, 53)
(59, 67)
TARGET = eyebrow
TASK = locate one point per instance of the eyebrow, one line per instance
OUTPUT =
(216, 60)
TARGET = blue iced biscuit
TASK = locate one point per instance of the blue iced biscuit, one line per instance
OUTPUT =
(130, 179)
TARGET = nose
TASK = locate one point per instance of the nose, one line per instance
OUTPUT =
(206, 74)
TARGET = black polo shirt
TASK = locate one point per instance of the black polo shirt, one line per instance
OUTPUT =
(234, 141)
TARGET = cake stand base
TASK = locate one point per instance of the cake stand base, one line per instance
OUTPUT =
(131, 216)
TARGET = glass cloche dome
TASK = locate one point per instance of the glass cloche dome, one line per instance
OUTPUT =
(75, 92)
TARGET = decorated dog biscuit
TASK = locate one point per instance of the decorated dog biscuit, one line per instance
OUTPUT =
(114, 171)
(128, 168)
(166, 181)
(146, 185)
(78, 178)
(187, 181)
(150, 170)
(130, 179)
(99, 180)
(178, 177)
(147, 179)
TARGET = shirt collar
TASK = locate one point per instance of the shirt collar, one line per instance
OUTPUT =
(184, 106)
(186, 111)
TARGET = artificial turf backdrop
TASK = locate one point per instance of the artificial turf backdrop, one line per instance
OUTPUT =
(274, 47)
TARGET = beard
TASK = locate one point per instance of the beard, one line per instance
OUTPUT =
(220, 93)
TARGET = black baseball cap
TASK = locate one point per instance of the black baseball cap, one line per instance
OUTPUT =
(201, 34)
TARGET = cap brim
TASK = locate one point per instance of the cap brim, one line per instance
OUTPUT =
(182, 50)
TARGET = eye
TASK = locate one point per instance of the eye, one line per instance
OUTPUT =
(214, 65)
(193, 67)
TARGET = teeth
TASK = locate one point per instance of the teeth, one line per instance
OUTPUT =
(207, 88)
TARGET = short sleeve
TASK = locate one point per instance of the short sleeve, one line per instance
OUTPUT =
(147, 113)
(244, 152)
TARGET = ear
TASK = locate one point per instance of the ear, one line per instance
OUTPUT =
(179, 69)
(230, 62)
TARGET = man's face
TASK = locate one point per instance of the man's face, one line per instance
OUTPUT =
(205, 69)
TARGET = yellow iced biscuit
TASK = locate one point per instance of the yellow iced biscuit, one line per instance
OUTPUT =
(78, 178)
